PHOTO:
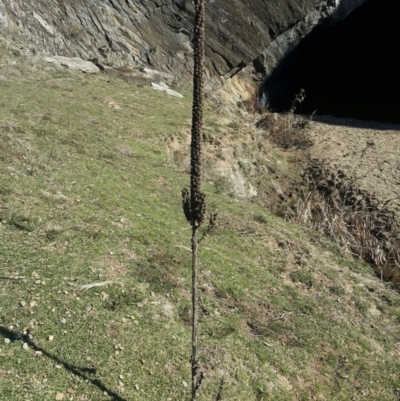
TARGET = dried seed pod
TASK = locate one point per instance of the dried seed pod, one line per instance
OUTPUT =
(197, 208)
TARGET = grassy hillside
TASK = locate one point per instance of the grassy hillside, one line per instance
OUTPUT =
(89, 193)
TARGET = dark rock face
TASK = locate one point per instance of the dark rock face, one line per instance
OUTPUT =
(350, 69)
(240, 33)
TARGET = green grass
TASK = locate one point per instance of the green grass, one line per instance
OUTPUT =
(88, 193)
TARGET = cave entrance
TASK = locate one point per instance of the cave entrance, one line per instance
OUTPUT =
(351, 69)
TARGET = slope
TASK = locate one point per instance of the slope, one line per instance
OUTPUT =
(89, 193)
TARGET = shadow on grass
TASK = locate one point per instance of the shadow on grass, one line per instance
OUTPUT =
(77, 371)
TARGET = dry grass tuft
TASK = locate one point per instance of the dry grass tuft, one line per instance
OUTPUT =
(353, 220)
(288, 130)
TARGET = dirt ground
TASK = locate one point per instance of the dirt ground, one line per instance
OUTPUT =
(367, 152)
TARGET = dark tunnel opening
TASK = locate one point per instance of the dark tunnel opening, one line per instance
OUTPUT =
(350, 69)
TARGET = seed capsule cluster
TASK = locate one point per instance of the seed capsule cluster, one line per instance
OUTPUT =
(194, 206)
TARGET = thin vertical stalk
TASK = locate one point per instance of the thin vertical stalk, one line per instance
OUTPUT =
(194, 360)
(194, 203)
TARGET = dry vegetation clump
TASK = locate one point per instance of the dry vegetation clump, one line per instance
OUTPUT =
(333, 205)
(288, 130)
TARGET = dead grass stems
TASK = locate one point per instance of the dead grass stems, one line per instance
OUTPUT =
(288, 130)
(355, 221)
(361, 232)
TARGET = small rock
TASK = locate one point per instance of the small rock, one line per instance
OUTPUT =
(74, 63)
(71, 391)
(63, 320)
(167, 90)
(23, 303)
(59, 396)
(50, 338)
(25, 346)
(158, 74)
(58, 366)
(184, 384)
(7, 341)
(38, 353)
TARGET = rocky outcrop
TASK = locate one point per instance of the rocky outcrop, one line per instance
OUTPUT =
(250, 35)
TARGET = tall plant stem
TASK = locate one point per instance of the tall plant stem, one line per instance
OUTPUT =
(197, 197)
(194, 203)
(194, 360)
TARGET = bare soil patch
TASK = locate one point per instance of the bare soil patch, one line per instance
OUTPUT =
(350, 190)
(366, 151)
